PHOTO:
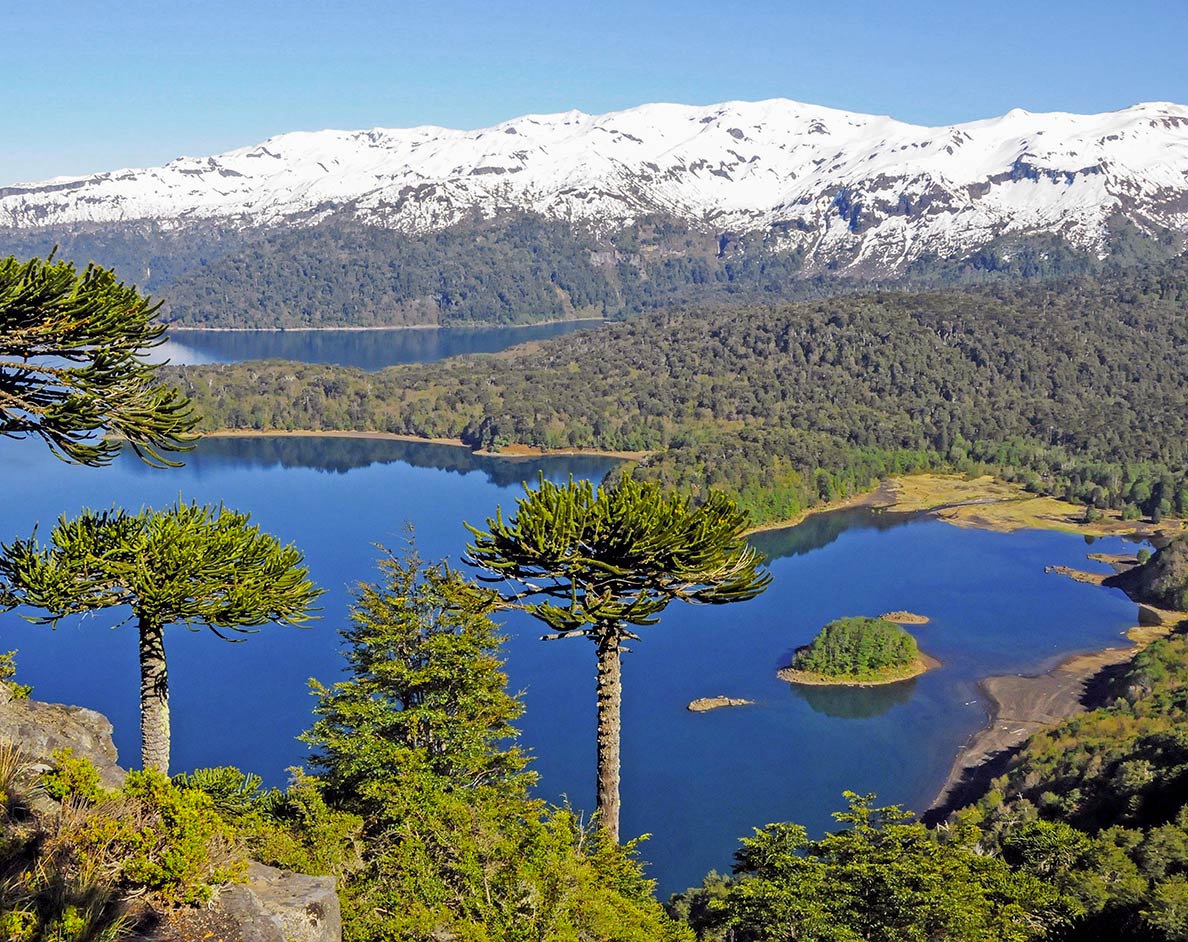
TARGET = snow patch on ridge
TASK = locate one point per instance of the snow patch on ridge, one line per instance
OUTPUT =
(860, 186)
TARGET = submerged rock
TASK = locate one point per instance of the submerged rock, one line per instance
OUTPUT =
(905, 618)
(704, 704)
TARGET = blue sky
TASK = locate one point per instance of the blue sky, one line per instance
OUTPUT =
(94, 86)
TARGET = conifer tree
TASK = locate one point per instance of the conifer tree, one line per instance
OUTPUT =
(187, 564)
(598, 562)
(72, 364)
(418, 741)
(426, 696)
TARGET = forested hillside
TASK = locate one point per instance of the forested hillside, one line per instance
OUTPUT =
(520, 268)
(1083, 839)
(1074, 389)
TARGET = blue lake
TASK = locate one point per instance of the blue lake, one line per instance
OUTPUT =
(696, 782)
(366, 349)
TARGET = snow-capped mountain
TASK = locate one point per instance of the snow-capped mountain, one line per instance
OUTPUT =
(868, 190)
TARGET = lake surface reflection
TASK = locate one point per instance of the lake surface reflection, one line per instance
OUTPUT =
(696, 782)
(365, 349)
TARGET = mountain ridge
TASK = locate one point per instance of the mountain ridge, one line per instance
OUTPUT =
(857, 193)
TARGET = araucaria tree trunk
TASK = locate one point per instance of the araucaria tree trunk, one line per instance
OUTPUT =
(610, 702)
(154, 698)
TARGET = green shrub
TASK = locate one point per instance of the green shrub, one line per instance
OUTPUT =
(72, 777)
(232, 792)
(157, 837)
(296, 829)
(69, 872)
(7, 670)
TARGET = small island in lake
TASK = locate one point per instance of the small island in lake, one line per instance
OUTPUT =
(905, 618)
(858, 651)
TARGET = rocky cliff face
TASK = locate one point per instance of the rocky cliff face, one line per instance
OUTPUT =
(40, 729)
(1162, 581)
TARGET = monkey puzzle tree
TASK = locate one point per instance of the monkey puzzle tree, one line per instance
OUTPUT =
(186, 565)
(72, 364)
(594, 562)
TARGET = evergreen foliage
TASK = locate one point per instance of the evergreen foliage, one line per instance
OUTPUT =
(517, 267)
(16, 690)
(418, 742)
(590, 562)
(884, 878)
(1096, 805)
(426, 695)
(856, 648)
(72, 351)
(187, 564)
(295, 829)
(71, 866)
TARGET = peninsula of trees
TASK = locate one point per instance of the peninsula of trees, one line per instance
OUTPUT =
(1072, 389)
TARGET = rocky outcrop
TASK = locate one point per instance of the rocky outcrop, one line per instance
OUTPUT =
(272, 906)
(1162, 581)
(40, 729)
(705, 704)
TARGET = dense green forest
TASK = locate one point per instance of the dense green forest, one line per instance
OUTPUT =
(1071, 388)
(519, 268)
(857, 647)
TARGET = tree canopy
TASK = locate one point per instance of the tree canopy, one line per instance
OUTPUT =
(884, 878)
(1072, 390)
(188, 564)
(857, 647)
(591, 561)
(418, 740)
(616, 554)
(72, 365)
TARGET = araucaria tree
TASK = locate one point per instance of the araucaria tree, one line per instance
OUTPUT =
(187, 564)
(72, 364)
(598, 562)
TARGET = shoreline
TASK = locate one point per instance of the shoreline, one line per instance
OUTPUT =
(512, 452)
(878, 498)
(189, 328)
(982, 503)
(1020, 705)
(922, 665)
